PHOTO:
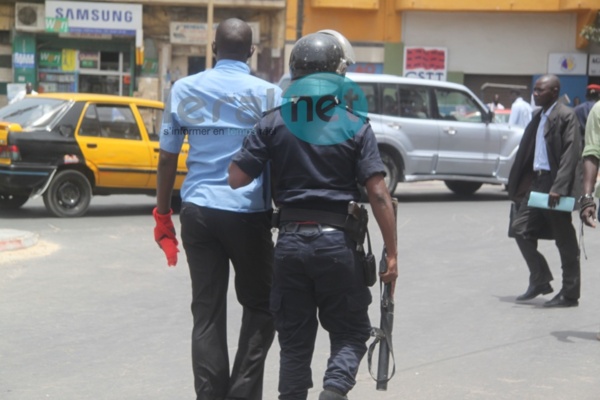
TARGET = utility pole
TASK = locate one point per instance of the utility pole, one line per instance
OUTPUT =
(209, 34)
(299, 19)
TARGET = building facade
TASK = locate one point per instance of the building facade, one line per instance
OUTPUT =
(134, 47)
(488, 46)
(140, 47)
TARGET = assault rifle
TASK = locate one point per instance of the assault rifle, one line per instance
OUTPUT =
(383, 334)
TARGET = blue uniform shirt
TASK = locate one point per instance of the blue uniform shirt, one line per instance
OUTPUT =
(216, 109)
(307, 175)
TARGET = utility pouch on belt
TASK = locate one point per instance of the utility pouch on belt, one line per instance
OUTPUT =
(357, 224)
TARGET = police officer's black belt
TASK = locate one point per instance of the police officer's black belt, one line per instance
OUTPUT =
(295, 227)
(329, 218)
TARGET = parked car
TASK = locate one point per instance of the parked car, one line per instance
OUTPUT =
(434, 130)
(70, 146)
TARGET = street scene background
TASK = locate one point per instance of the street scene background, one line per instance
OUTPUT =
(93, 312)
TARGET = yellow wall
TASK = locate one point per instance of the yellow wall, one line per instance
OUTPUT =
(496, 5)
(381, 24)
(380, 20)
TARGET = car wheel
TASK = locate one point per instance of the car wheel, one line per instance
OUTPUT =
(12, 202)
(68, 195)
(463, 188)
(392, 173)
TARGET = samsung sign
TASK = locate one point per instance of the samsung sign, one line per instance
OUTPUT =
(97, 18)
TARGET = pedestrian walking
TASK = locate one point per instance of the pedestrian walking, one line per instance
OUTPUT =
(319, 262)
(548, 161)
(520, 110)
(215, 109)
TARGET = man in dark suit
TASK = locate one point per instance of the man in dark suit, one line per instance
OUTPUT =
(548, 161)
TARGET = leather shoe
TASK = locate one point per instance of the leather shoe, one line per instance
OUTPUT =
(561, 301)
(332, 394)
(534, 291)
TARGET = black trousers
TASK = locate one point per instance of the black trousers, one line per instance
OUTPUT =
(527, 225)
(211, 239)
(318, 277)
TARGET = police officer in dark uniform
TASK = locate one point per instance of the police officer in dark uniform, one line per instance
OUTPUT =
(319, 268)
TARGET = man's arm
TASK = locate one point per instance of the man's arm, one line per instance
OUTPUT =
(588, 207)
(165, 180)
(237, 178)
(381, 204)
(164, 231)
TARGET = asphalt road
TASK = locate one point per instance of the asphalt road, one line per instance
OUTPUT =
(92, 311)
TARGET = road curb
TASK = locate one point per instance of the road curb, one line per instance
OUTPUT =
(12, 239)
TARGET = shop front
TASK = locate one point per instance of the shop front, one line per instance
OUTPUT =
(84, 47)
(77, 66)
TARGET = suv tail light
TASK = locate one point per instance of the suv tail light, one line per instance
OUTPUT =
(10, 151)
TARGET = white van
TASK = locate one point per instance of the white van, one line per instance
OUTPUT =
(433, 130)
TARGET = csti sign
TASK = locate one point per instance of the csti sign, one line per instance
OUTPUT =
(426, 63)
(97, 18)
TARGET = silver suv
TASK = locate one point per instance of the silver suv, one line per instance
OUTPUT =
(433, 130)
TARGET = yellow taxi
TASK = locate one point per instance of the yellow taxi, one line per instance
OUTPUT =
(68, 147)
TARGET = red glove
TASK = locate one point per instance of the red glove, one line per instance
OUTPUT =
(164, 235)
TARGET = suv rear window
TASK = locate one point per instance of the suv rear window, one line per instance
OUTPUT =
(33, 111)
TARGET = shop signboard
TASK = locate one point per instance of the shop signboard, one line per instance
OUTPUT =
(97, 18)
(69, 60)
(50, 59)
(594, 65)
(57, 25)
(24, 58)
(567, 63)
(426, 62)
(194, 33)
(150, 66)
(89, 60)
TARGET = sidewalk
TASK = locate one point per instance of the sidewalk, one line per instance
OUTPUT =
(12, 239)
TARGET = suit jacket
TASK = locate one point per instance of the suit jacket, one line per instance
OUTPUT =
(563, 143)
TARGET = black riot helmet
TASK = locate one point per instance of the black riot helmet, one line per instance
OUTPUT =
(317, 52)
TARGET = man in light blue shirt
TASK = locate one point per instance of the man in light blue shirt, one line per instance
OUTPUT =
(215, 110)
(520, 111)
(540, 157)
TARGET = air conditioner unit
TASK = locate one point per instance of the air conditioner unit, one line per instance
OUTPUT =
(30, 17)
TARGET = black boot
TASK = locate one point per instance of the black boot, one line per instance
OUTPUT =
(332, 394)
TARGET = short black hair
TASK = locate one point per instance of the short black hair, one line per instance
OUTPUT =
(233, 39)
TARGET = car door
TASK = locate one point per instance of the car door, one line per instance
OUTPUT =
(151, 119)
(405, 118)
(468, 145)
(111, 142)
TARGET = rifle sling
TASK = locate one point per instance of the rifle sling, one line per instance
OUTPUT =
(380, 336)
